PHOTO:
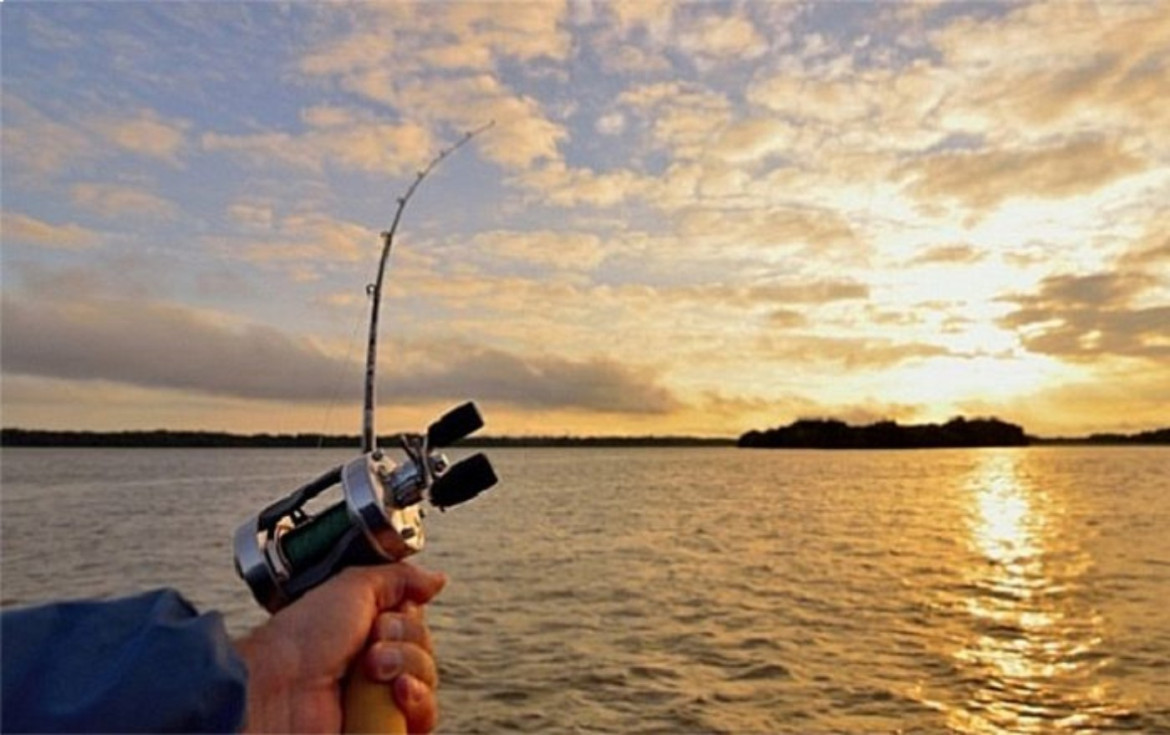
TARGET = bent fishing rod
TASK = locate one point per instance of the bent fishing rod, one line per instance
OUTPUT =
(286, 549)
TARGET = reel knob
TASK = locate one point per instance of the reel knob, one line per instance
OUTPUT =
(457, 423)
(463, 481)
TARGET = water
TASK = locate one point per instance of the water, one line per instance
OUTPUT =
(713, 590)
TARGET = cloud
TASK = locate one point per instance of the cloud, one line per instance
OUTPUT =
(146, 134)
(333, 138)
(1073, 66)
(683, 117)
(543, 382)
(809, 292)
(851, 352)
(252, 214)
(119, 201)
(569, 251)
(821, 229)
(439, 63)
(984, 179)
(948, 254)
(754, 138)
(37, 145)
(558, 184)
(523, 135)
(785, 318)
(611, 123)
(654, 16)
(311, 238)
(160, 345)
(722, 38)
(47, 145)
(1086, 317)
(20, 228)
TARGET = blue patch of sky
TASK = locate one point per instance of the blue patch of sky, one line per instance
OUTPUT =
(948, 12)
(873, 35)
(197, 62)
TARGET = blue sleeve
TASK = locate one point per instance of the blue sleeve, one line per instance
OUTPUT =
(148, 663)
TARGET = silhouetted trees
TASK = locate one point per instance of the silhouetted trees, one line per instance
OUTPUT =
(208, 439)
(833, 434)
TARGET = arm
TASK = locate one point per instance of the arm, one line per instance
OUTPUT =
(93, 666)
(151, 663)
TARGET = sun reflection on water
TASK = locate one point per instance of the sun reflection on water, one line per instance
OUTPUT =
(1031, 643)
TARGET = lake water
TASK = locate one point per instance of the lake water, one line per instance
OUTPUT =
(700, 590)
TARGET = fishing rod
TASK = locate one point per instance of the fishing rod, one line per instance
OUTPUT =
(287, 549)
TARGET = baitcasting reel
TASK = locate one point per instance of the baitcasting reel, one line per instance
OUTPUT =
(284, 551)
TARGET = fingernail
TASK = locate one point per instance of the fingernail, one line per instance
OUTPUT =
(390, 629)
(410, 689)
(388, 662)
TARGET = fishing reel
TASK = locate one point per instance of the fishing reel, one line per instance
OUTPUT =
(284, 551)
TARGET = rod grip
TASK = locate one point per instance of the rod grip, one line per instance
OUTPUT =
(370, 706)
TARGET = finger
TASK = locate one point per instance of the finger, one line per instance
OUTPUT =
(417, 703)
(393, 584)
(402, 626)
(412, 609)
(386, 660)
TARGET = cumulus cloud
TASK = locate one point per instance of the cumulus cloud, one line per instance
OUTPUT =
(159, 345)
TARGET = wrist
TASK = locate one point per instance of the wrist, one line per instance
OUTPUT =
(272, 668)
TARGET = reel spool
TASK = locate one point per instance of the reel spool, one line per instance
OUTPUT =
(284, 551)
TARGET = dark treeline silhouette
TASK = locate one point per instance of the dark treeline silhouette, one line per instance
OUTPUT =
(1156, 436)
(832, 434)
(164, 439)
(599, 441)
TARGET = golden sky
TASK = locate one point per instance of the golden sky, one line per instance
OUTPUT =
(688, 218)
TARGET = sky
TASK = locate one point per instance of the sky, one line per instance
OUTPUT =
(696, 218)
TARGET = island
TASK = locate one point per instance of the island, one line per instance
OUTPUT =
(834, 434)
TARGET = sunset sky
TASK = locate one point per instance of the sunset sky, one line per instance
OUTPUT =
(687, 218)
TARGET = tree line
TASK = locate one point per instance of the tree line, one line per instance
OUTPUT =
(166, 439)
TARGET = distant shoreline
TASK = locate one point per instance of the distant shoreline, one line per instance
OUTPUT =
(166, 439)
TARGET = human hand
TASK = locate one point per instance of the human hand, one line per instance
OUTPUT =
(298, 659)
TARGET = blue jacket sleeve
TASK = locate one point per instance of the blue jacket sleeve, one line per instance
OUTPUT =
(148, 663)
